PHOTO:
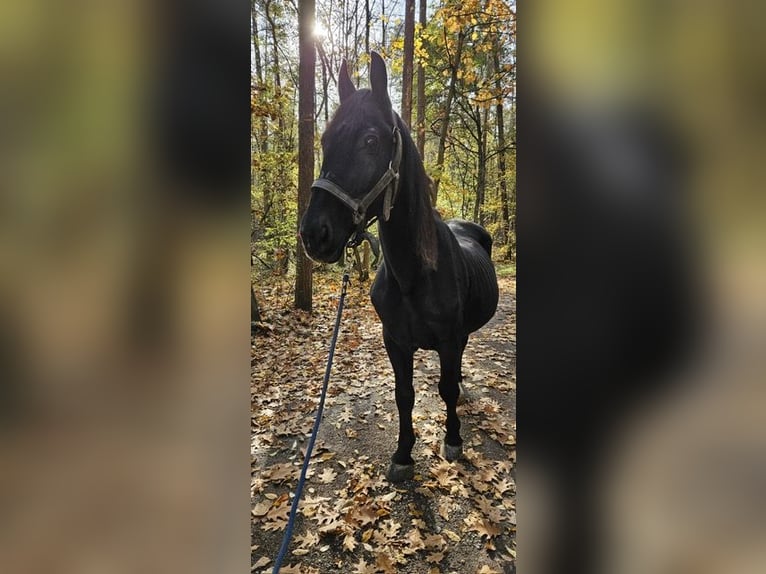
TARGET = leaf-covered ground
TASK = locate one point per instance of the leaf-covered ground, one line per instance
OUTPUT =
(453, 517)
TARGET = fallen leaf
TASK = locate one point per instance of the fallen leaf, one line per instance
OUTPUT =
(349, 543)
(445, 506)
(333, 526)
(327, 475)
(362, 567)
(261, 508)
(434, 541)
(383, 563)
(435, 557)
(308, 540)
(415, 539)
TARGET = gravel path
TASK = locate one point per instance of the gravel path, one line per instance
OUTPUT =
(453, 517)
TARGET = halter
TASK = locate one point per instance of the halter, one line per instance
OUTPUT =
(388, 183)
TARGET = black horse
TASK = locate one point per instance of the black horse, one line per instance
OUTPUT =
(436, 284)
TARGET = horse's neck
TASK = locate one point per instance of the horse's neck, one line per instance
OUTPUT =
(399, 241)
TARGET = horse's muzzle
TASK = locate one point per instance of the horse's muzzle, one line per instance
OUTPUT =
(319, 241)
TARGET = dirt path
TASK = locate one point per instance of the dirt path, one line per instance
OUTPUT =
(454, 517)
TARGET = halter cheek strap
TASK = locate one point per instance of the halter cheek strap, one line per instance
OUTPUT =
(388, 183)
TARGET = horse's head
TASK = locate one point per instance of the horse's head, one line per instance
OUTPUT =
(362, 149)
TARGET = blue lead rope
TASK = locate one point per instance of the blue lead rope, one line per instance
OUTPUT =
(301, 481)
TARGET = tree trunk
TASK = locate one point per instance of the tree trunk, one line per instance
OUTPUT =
(280, 141)
(355, 34)
(409, 50)
(421, 110)
(263, 136)
(446, 115)
(367, 18)
(383, 21)
(277, 77)
(501, 174)
(255, 312)
(343, 29)
(307, 61)
(481, 174)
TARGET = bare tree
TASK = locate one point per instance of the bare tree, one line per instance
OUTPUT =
(383, 20)
(421, 109)
(501, 175)
(367, 20)
(277, 67)
(263, 134)
(454, 65)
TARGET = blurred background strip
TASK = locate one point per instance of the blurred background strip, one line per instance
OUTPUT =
(124, 170)
(641, 287)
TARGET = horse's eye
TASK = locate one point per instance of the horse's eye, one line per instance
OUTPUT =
(371, 141)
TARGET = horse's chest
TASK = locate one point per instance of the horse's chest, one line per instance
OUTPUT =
(408, 320)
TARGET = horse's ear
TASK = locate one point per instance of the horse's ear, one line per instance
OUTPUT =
(345, 85)
(379, 80)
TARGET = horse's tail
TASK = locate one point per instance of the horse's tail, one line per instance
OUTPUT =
(485, 240)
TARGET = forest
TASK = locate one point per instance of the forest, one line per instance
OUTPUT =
(452, 80)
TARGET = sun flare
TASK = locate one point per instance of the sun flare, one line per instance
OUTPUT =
(319, 30)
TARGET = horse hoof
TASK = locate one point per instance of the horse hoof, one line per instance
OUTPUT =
(451, 452)
(400, 472)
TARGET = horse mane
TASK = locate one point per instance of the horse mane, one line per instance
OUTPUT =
(419, 187)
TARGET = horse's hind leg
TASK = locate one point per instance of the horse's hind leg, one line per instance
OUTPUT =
(449, 390)
(402, 466)
(463, 396)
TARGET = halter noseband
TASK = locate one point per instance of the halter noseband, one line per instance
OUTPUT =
(388, 182)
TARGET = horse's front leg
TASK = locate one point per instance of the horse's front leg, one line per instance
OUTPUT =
(450, 356)
(402, 466)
